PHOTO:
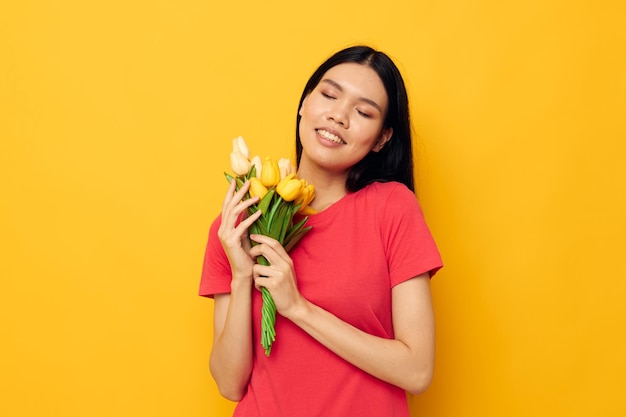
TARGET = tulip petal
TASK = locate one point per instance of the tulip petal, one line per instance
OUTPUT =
(307, 210)
(239, 163)
(284, 165)
(239, 145)
(270, 174)
(258, 165)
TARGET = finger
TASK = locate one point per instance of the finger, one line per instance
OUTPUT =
(278, 259)
(261, 250)
(238, 196)
(258, 283)
(247, 222)
(262, 271)
(229, 194)
(240, 212)
(242, 191)
(228, 220)
(269, 241)
(243, 205)
(238, 231)
(266, 277)
(234, 196)
(264, 282)
(233, 206)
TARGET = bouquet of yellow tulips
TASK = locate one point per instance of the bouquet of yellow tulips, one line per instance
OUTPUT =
(282, 196)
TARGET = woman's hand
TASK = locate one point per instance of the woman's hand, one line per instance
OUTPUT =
(233, 236)
(279, 277)
(406, 360)
(231, 355)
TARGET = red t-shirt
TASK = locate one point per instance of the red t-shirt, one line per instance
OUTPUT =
(358, 249)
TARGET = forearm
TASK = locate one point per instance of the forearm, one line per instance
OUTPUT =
(406, 361)
(231, 355)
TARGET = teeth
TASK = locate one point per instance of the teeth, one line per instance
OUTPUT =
(329, 136)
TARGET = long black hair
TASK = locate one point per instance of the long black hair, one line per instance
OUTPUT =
(394, 162)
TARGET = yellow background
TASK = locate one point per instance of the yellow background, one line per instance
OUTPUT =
(115, 126)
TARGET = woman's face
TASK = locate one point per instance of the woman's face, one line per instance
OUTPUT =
(342, 118)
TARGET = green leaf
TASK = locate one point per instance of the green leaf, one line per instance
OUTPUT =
(266, 200)
(272, 212)
(296, 238)
(262, 225)
(268, 321)
(295, 228)
(282, 222)
(286, 222)
(255, 228)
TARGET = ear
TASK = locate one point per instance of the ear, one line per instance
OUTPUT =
(384, 137)
(302, 105)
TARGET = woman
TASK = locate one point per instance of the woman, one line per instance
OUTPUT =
(355, 327)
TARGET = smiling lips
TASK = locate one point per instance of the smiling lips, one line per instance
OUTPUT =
(329, 136)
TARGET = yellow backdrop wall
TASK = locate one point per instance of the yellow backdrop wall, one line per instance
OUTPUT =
(115, 127)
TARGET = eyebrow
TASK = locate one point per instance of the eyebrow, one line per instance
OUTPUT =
(363, 99)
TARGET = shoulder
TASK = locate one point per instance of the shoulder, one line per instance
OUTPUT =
(388, 188)
(389, 195)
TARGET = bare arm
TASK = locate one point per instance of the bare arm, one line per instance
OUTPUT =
(231, 355)
(406, 361)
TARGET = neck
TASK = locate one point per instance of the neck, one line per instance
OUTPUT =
(329, 187)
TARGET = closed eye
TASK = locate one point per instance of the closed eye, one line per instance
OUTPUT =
(328, 96)
(366, 115)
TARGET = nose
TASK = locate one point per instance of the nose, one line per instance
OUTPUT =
(339, 115)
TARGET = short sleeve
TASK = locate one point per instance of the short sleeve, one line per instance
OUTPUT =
(216, 272)
(409, 245)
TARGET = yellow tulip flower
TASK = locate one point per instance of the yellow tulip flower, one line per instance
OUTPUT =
(307, 210)
(289, 188)
(306, 196)
(258, 165)
(270, 173)
(239, 145)
(239, 163)
(277, 214)
(285, 167)
(257, 188)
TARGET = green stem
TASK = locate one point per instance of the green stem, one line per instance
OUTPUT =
(268, 321)
(268, 315)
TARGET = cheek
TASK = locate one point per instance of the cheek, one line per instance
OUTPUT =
(368, 132)
(304, 113)
(313, 106)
